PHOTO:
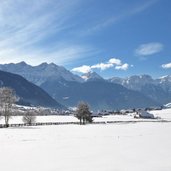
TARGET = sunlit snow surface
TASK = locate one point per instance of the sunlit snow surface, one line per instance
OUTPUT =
(103, 147)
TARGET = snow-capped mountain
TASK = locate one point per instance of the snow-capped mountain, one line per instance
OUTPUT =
(156, 89)
(134, 82)
(41, 73)
(165, 82)
(91, 76)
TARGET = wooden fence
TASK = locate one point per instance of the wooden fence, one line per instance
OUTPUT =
(77, 123)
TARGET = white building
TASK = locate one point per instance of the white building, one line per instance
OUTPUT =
(144, 114)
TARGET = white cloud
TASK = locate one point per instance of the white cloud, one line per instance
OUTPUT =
(149, 49)
(166, 66)
(113, 62)
(122, 67)
(82, 69)
(102, 66)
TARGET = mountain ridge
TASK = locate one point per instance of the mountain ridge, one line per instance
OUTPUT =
(40, 73)
(158, 89)
(27, 91)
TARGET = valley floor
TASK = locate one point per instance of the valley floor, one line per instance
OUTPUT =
(106, 147)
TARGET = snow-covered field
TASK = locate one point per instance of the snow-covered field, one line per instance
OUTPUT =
(105, 147)
(163, 114)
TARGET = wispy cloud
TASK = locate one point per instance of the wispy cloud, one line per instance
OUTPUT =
(113, 62)
(102, 66)
(31, 31)
(149, 49)
(61, 55)
(166, 66)
(38, 31)
(111, 20)
(141, 7)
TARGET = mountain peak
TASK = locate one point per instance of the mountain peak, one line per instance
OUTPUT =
(43, 64)
(22, 63)
(46, 64)
(91, 76)
(52, 64)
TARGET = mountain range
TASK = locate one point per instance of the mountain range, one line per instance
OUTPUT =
(158, 89)
(41, 73)
(115, 93)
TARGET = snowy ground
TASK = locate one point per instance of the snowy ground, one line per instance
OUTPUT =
(106, 147)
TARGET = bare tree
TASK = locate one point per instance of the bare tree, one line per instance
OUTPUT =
(29, 117)
(83, 113)
(7, 99)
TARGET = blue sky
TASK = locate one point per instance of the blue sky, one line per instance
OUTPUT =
(112, 37)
